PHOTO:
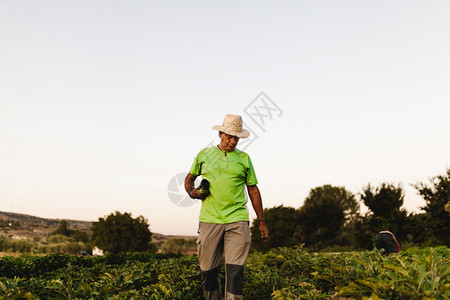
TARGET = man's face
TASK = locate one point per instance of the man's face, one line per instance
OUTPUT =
(228, 142)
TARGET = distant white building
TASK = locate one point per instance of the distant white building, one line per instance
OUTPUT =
(97, 251)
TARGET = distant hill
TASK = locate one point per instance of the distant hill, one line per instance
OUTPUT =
(22, 226)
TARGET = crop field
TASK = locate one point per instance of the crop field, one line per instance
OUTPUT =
(283, 273)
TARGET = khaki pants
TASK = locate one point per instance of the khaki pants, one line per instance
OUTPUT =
(214, 241)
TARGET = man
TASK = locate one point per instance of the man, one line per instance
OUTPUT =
(224, 222)
(386, 240)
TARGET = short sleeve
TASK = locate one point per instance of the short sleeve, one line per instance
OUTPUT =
(196, 168)
(251, 175)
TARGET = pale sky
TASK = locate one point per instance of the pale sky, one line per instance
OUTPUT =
(103, 103)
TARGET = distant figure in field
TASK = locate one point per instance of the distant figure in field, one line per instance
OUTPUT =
(386, 240)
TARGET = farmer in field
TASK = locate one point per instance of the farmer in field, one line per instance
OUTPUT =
(386, 240)
(224, 222)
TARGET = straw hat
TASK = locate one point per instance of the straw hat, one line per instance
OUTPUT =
(232, 125)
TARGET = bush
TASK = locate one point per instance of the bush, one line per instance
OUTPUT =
(179, 246)
(58, 238)
(17, 246)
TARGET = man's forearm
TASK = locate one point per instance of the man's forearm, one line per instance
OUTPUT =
(255, 198)
(189, 184)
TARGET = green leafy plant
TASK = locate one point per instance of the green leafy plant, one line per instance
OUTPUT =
(281, 273)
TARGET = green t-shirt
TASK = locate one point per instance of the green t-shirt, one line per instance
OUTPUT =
(227, 173)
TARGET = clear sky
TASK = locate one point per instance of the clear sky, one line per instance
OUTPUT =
(104, 103)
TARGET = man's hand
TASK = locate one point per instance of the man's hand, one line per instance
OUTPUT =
(264, 231)
(195, 194)
(255, 197)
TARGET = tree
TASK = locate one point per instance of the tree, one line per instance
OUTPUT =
(384, 200)
(325, 214)
(120, 233)
(436, 194)
(385, 203)
(417, 229)
(76, 235)
(283, 223)
(62, 229)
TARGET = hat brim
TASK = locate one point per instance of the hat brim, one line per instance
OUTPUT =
(243, 134)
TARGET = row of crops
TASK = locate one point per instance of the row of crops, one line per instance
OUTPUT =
(282, 273)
